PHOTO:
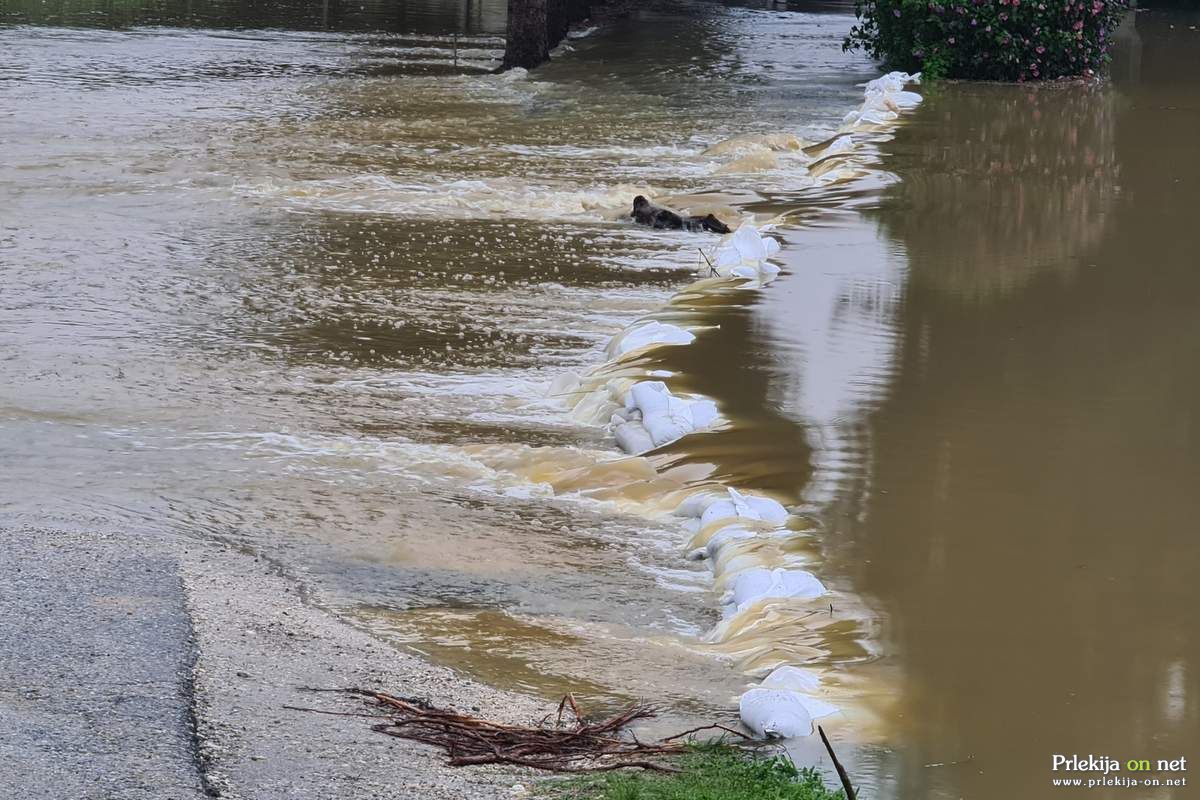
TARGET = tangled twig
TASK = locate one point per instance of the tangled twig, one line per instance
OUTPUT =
(564, 746)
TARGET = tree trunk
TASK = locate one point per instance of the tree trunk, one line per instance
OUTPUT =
(556, 22)
(526, 42)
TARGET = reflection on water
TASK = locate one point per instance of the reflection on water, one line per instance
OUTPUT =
(1021, 513)
(1028, 178)
(304, 291)
(834, 327)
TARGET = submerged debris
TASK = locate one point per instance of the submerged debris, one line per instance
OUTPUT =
(581, 745)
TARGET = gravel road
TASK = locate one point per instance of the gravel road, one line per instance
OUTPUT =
(154, 667)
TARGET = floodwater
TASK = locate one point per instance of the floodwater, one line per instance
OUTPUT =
(299, 278)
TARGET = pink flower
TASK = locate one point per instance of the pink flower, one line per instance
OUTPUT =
(1040, 49)
(1078, 25)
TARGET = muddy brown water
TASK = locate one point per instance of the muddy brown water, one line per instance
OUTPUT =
(297, 278)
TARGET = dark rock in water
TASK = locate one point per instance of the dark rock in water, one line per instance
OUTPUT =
(646, 213)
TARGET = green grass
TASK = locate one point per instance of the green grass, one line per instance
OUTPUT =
(710, 772)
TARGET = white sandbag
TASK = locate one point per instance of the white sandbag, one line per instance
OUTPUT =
(749, 586)
(892, 82)
(736, 504)
(899, 99)
(633, 438)
(719, 509)
(873, 116)
(780, 708)
(650, 397)
(623, 415)
(704, 413)
(726, 258)
(744, 271)
(669, 425)
(816, 707)
(733, 560)
(767, 509)
(842, 144)
(885, 83)
(869, 116)
(805, 684)
(749, 243)
(693, 505)
(762, 583)
(743, 254)
(877, 101)
(680, 418)
(775, 713)
(794, 678)
(666, 417)
(731, 533)
(712, 547)
(647, 334)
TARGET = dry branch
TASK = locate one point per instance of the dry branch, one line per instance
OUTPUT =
(581, 745)
(841, 771)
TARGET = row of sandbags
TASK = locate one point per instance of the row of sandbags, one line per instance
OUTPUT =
(884, 99)
(723, 523)
(643, 414)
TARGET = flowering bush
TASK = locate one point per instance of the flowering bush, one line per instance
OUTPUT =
(1010, 40)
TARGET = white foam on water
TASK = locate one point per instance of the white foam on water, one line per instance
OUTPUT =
(500, 198)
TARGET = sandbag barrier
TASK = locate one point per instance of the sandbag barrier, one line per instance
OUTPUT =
(728, 529)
